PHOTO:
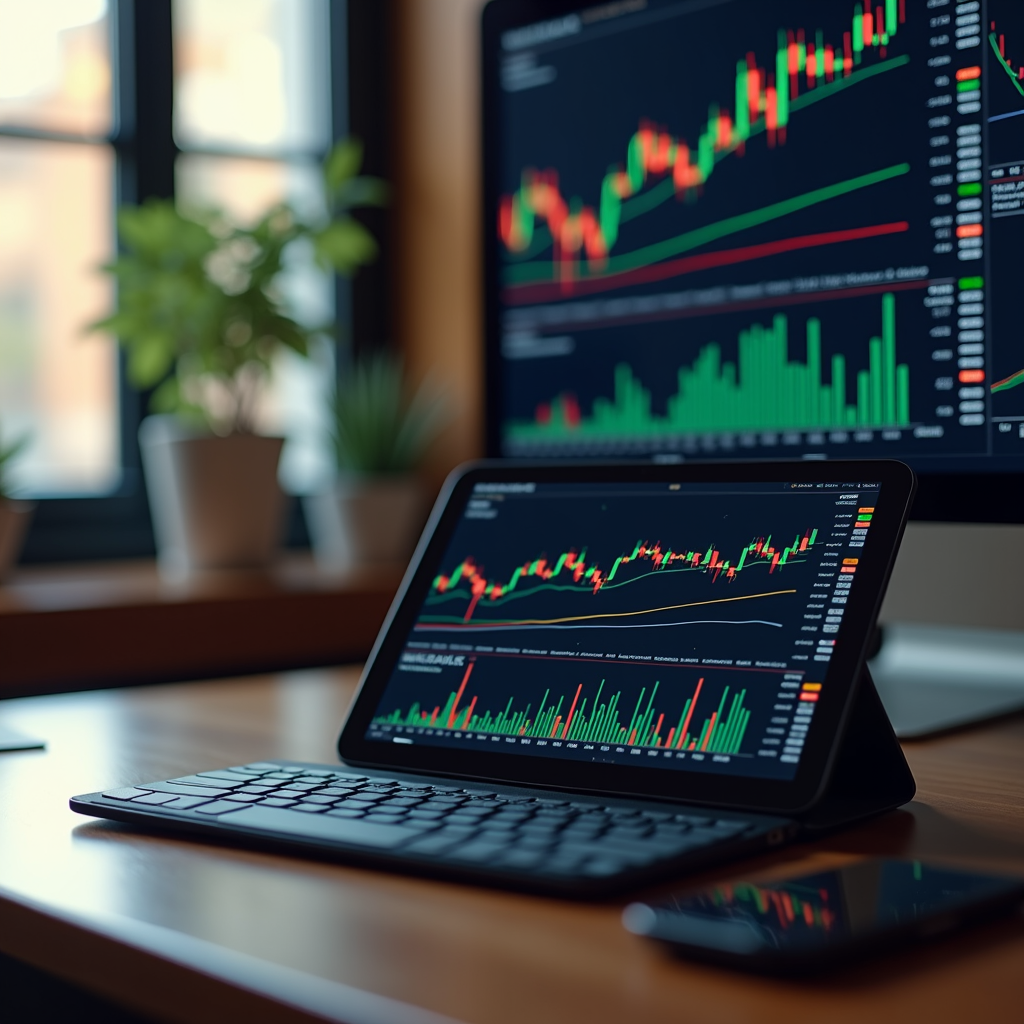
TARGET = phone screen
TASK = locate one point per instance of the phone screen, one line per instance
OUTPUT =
(815, 914)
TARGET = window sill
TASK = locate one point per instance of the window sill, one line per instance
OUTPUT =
(118, 623)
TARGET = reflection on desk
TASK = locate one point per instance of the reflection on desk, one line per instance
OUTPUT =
(197, 931)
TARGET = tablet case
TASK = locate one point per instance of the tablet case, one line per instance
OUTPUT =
(871, 775)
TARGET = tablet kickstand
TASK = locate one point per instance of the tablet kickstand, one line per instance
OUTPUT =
(871, 775)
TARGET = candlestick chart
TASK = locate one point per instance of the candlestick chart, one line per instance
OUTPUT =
(481, 601)
(1014, 68)
(762, 389)
(587, 249)
(807, 904)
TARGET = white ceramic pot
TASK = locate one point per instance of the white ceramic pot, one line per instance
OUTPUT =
(15, 517)
(215, 501)
(364, 521)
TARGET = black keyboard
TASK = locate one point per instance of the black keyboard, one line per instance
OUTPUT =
(503, 833)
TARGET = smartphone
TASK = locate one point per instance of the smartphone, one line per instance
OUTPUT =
(824, 919)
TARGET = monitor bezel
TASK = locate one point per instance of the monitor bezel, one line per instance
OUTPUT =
(987, 496)
(840, 681)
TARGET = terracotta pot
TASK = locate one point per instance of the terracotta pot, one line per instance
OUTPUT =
(364, 521)
(15, 517)
(215, 501)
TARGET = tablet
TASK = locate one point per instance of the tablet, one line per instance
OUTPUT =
(693, 632)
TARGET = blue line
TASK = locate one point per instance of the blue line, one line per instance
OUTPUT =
(1003, 117)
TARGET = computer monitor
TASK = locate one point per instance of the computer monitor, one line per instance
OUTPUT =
(738, 229)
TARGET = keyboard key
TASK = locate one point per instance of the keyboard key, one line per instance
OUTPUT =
(155, 798)
(523, 860)
(325, 827)
(185, 803)
(419, 823)
(421, 815)
(384, 819)
(224, 776)
(317, 798)
(128, 793)
(242, 798)
(219, 807)
(634, 854)
(261, 766)
(178, 790)
(199, 780)
(480, 851)
(335, 790)
(275, 801)
(342, 812)
(256, 789)
(603, 867)
(433, 844)
(310, 808)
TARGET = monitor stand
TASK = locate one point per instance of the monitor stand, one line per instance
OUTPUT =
(952, 652)
(11, 739)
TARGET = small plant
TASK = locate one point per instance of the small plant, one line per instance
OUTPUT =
(8, 453)
(378, 428)
(199, 311)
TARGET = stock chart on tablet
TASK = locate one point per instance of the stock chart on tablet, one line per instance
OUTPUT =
(679, 625)
(737, 227)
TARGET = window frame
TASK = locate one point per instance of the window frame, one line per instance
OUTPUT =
(117, 525)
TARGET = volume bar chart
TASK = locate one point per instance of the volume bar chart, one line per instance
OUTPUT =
(764, 389)
(598, 719)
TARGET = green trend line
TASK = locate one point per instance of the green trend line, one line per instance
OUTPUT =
(719, 229)
(666, 189)
(1013, 381)
(1006, 67)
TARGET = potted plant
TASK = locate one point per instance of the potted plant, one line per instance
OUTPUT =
(380, 431)
(202, 318)
(15, 516)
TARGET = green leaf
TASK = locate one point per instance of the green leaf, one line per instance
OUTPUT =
(343, 162)
(344, 245)
(150, 359)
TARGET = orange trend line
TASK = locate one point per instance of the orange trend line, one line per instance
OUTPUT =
(621, 615)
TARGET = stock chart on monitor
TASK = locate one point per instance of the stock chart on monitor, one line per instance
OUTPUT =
(730, 227)
(685, 626)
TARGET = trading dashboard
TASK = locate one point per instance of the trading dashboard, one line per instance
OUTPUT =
(729, 227)
(684, 626)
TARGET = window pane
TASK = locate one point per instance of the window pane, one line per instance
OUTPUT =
(57, 385)
(295, 407)
(55, 65)
(251, 74)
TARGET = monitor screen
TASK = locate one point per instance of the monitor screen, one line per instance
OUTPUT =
(731, 228)
(684, 626)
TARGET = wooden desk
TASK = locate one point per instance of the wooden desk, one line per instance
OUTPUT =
(187, 931)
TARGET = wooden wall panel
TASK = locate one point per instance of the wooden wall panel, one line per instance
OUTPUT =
(439, 317)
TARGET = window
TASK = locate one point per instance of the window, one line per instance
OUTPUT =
(56, 201)
(227, 103)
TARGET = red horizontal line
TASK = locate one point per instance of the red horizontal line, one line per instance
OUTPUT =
(524, 293)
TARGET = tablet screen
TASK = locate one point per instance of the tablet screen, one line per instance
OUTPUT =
(685, 626)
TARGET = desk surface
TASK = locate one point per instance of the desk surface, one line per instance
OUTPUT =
(190, 931)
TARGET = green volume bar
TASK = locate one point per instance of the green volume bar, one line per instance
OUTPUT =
(578, 719)
(764, 389)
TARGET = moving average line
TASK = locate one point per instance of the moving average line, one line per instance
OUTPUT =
(448, 627)
(622, 615)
